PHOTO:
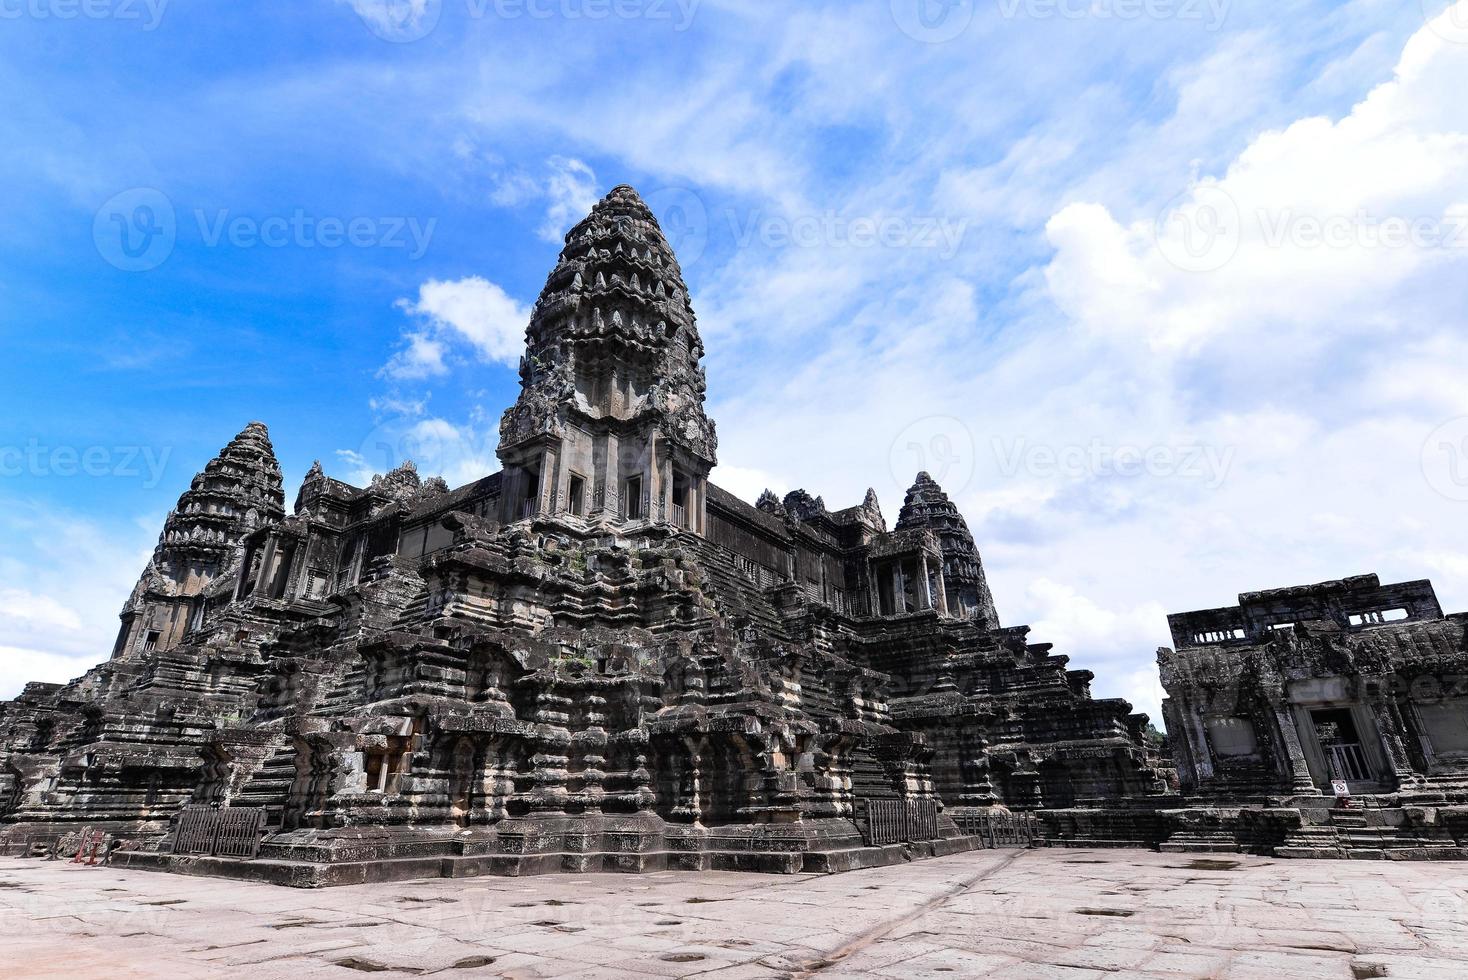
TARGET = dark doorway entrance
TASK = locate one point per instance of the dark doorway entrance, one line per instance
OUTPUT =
(1335, 730)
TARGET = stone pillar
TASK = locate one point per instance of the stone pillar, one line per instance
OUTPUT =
(267, 568)
(1197, 741)
(1301, 783)
(1390, 729)
(610, 478)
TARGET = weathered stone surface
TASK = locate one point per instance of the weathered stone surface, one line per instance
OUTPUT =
(1061, 913)
(595, 659)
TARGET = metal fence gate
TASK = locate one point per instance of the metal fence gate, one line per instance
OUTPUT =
(894, 821)
(231, 831)
(999, 829)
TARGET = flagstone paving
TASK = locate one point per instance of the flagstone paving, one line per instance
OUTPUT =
(1042, 913)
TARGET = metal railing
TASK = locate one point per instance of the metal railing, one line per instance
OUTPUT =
(1348, 761)
(894, 821)
(998, 829)
(231, 831)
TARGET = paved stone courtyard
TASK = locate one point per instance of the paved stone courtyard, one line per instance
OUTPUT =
(1042, 913)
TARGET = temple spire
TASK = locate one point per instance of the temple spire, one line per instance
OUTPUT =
(235, 492)
(610, 420)
(927, 506)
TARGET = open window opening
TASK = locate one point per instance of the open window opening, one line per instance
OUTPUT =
(530, 494)
(632, 498)
(576, 495)
(681, 497)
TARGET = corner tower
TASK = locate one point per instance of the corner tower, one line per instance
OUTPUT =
(237, 491)
(927, 506)
(609, 428)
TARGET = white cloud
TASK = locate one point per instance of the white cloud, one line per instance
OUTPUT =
(1114, 642)
(472, 310)
(38, 611)
(458, 453)
(422, 356)
(572, 192)
(63, 580)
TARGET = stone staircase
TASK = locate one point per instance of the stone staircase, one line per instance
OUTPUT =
(1363, 834)
(733, 592)
(270, 785)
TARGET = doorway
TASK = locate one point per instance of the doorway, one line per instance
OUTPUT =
(1340, 744)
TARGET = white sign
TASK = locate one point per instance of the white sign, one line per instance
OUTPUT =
(1339, 787)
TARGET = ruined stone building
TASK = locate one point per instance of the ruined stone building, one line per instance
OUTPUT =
(595, 658)
(1274, 701)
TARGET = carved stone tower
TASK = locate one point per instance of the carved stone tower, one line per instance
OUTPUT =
(927, 506)
(239, 490)
(609, 428)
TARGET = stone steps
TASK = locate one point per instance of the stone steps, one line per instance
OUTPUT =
(270, 785)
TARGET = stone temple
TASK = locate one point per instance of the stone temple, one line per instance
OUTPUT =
(594, 659)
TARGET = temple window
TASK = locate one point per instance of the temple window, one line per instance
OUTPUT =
(632, 498)
(530, 496)
(680, 499)
(576, 495)
(1377, 616)
(1218, 636)
(1232, 737)
(901, 587)
(385, 766)
(1446, 726)
(346, 565)
(150, 640)
(316, 583)
(282, 572)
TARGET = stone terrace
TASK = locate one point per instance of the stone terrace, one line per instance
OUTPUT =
(1042, 913)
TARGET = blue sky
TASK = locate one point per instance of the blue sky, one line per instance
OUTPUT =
(972, 236)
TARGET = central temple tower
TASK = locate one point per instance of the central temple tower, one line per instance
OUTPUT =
(609, 429)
